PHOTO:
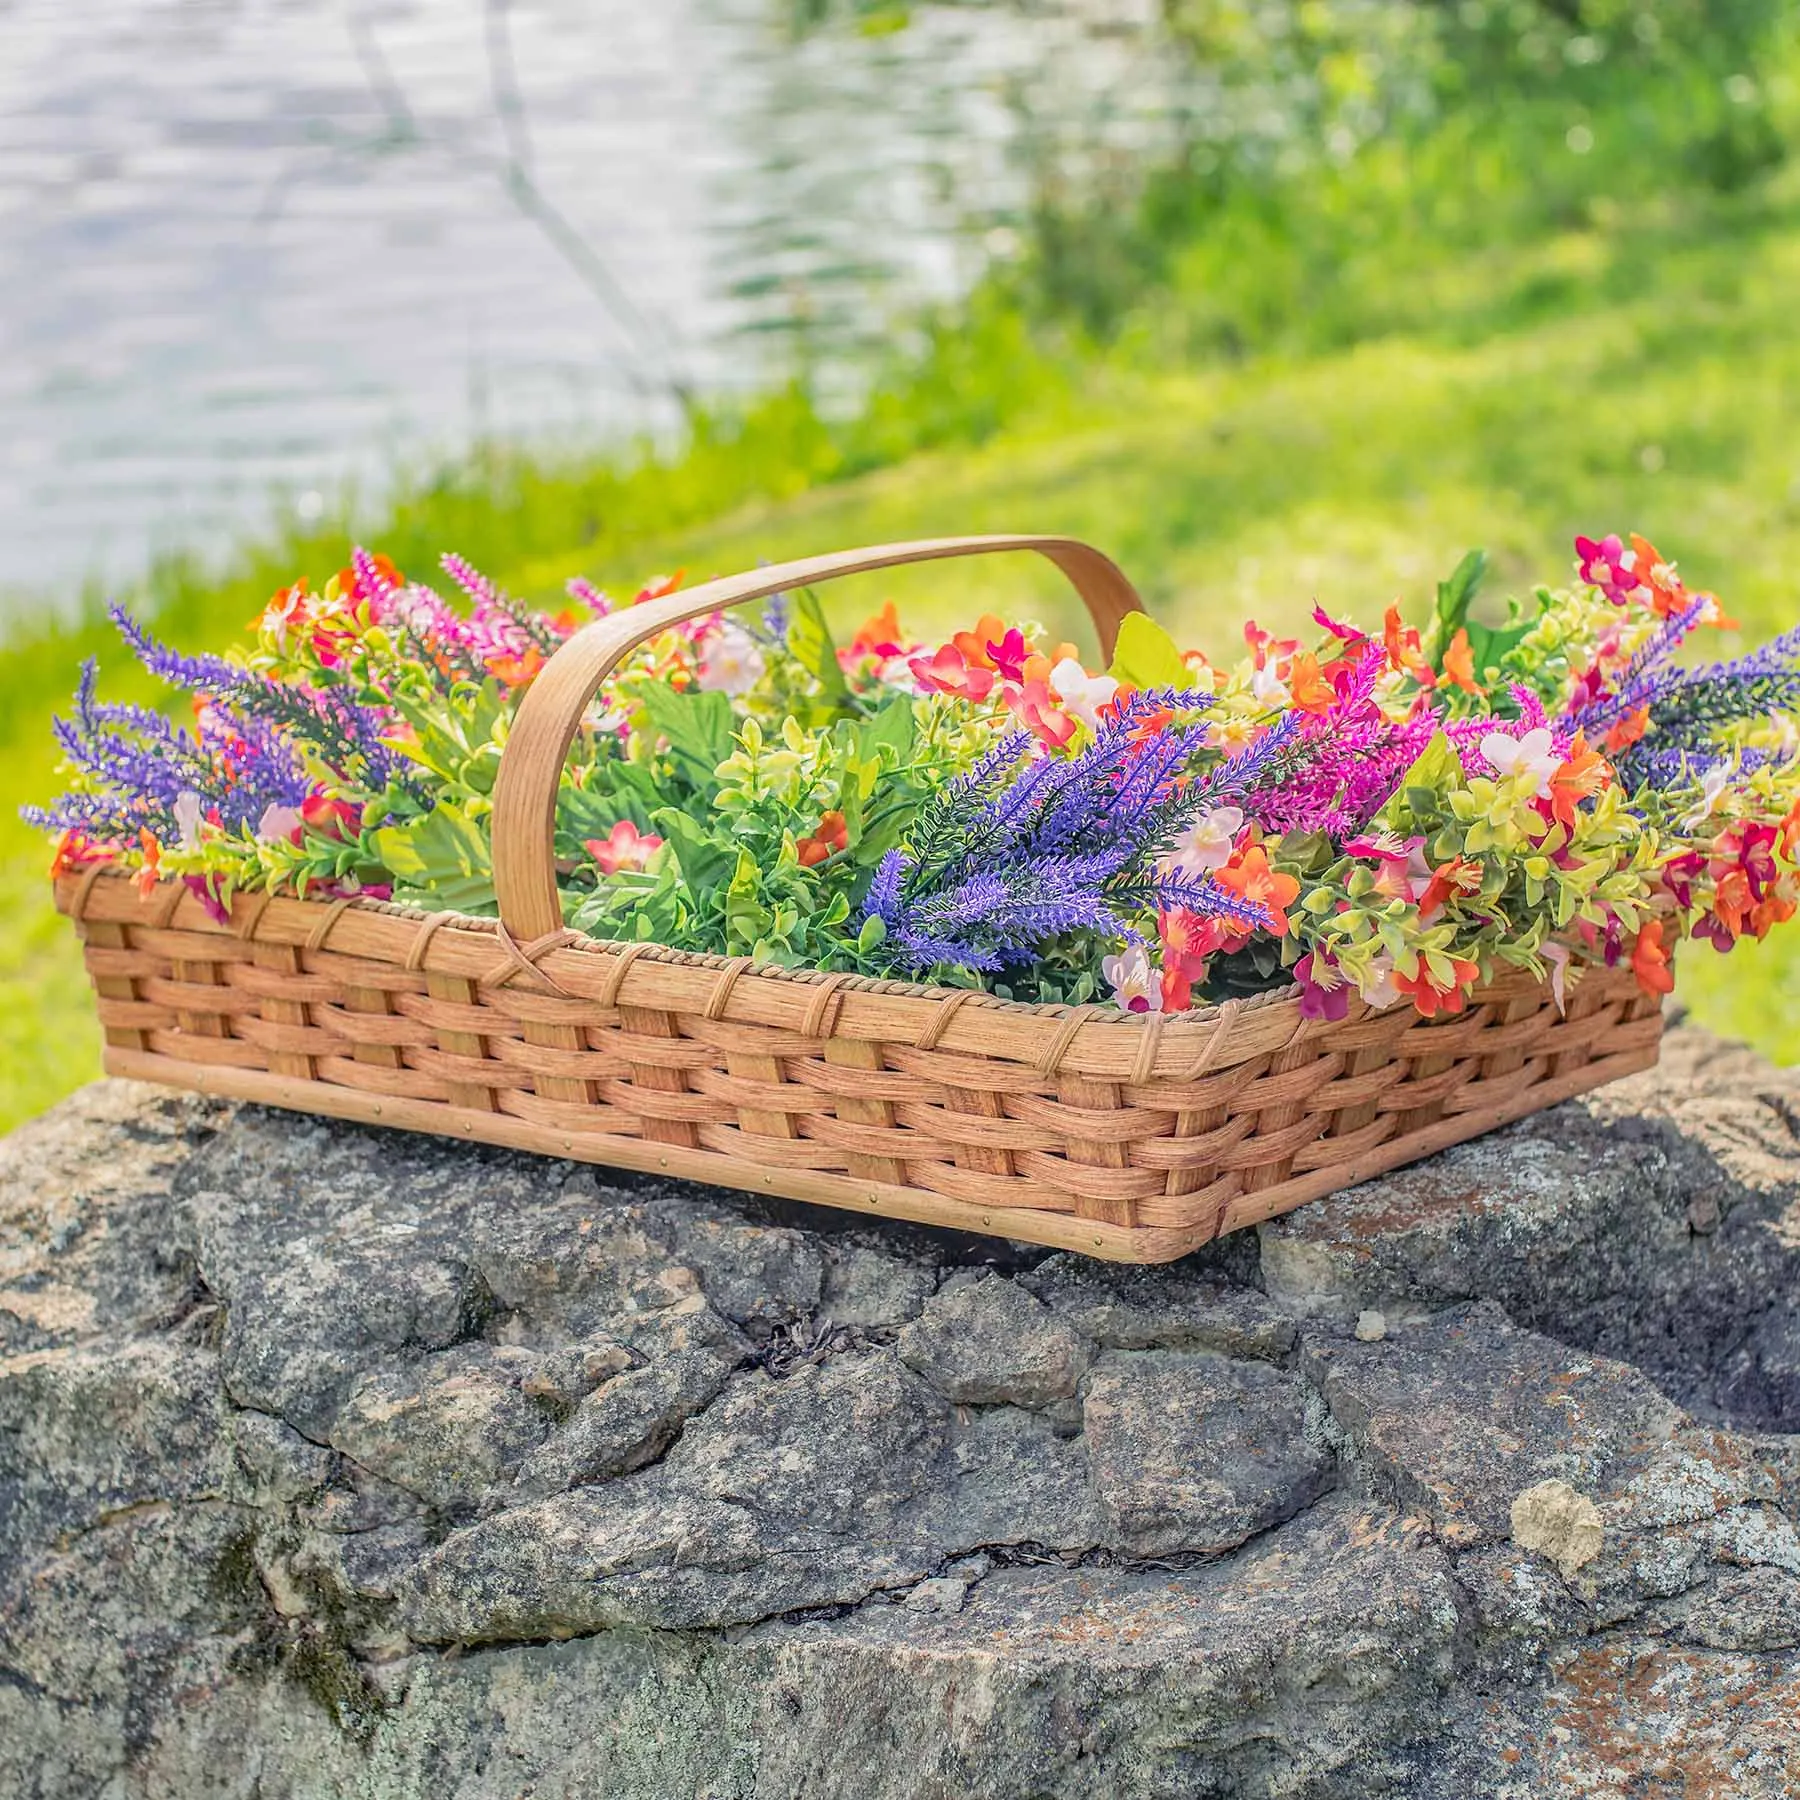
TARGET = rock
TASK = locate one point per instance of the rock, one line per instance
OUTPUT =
(1558, 1523)
(1195, 1453)
(341, 1463)
(990, 1343)
(1371, 1326)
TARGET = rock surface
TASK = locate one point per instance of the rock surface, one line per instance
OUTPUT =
(337, 1463)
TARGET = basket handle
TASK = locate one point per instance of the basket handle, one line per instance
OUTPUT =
(551, 712)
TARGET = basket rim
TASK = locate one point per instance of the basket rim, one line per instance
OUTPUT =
(1105, 1013)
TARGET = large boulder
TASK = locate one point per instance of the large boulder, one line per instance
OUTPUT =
(341, 1463)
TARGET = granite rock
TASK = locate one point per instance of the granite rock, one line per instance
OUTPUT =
(341, 1463)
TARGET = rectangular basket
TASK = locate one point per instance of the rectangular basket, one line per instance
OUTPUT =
(1134, 1138)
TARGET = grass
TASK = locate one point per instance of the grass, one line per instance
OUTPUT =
(1634, 368)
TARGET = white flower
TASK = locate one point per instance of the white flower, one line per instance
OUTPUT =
(1207, 843)
(1712, 788)
(1377, 985)
(1529, 761)
(187, 818)
(1134, 983)
(1081, 693)
(731, 663)
(278, 822)
(1268, 687)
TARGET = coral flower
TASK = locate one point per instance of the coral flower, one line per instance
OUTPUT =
(949, 671)
(147, 875)
(1627, 732)
(1459, 664)
(1459, 875)
(655, 590)
(624, 847)
(1582, 776)
(331, 818)
(879, 634)
(1429, 996)
(516, 671)
(1308, 684)
(1405, 652)
(1249, 876)
(831, 835)
(1650, 960)
(974, 644)
(1038, 712)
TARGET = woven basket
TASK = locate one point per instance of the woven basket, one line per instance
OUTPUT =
(1126, 1137)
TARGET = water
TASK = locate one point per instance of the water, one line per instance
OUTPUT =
(251, 247)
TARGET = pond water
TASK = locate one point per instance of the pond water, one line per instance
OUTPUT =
(251, 247)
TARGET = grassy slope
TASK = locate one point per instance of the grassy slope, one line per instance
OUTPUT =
(1654, 388)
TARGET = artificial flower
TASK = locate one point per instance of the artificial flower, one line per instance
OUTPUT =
(1134, 985)
(1528, 763)
(1650, 960)
(731, 661)
(1080, 693)
(1207, 844)
(624, 847)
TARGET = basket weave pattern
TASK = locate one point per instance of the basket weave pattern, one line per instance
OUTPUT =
(1124, 1137)
(1119, 1137)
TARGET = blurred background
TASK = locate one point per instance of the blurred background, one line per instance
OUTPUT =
(1276, 300)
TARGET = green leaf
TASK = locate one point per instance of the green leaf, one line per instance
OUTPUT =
(1147, 657)
(892, 728)
(810, 641)
(699, 727)
(442, 857)
(705, 865)
(1455, 596)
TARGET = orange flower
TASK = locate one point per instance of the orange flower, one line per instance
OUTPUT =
(974, 644)
(1458, 876)
(1459, 664)
(1308, 684)
(1405, 652)
(1790, 831)
(879, 634)
(1428, 997)
(1036, 709)
(515, 671)
(1650, 961)
(1584, 774)
(624, 847)
(830, 835)
(1627, 732)
(147, 875)
(74, 850)
(655, 590)
(1249, 876)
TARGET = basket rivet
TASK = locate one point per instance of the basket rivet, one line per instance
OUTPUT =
(568, 1143)
(987, 1218)
(468, 1124)
(376, 1110)
(662, 1162)
(1099, 1243)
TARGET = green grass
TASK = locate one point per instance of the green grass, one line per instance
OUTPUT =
(1634, 369)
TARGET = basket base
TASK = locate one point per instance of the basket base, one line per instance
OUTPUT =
(1087, 1237)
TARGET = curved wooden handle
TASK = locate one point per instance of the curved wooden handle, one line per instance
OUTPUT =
(551, 712)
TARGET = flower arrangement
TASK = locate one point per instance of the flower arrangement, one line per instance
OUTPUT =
(1391, 815)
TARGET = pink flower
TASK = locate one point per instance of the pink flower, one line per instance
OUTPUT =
(1037, 711)
(624, 847)
(1008, 656)
(1606, 564)
(948, 671)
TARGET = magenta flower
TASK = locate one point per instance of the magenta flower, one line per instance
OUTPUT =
(1324, 993)
(1009, 655)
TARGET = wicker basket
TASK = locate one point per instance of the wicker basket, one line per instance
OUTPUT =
(1131, 1138)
